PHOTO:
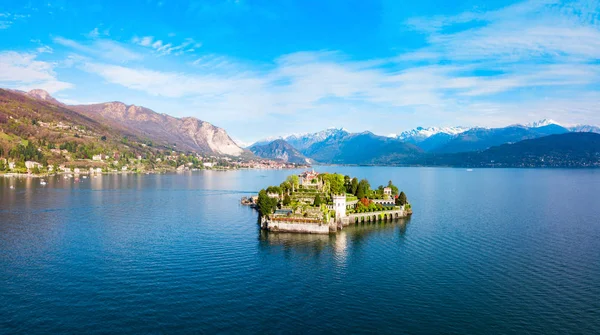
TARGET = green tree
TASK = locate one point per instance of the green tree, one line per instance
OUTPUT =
(394, 188)
(287, 200)
(294, 181)
(286, 187)
(348, 184)
(274, 189)
(336, 183)
(266, 205)
(363, 189)
(401, 199)
(2, 165)
(318, 200)
(354, 186)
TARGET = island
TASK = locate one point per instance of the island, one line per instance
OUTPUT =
(323, 203)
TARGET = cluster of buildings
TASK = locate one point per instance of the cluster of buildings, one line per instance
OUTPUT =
(264, 164)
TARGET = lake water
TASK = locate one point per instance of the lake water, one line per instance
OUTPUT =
(487, 251)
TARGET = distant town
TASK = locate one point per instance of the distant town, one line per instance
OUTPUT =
(101, 163)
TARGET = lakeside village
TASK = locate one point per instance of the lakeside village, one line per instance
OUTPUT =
(322, 203)
(29, 160)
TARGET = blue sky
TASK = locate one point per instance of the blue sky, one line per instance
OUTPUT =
(265, 68)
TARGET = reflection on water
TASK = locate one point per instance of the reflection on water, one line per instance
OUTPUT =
(314, 245)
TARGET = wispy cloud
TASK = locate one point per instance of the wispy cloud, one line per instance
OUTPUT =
(535, 29)
(164, 48)
(23, 71)
(8, 19)
(103, 48)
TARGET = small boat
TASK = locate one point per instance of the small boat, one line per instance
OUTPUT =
(12, 187)
(43, 182)
(469, 170)
(84, 177)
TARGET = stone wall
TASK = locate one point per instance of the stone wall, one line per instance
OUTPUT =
(374, 216)
(291, 227)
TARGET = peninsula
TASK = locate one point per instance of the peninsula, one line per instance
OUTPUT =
(323, 203)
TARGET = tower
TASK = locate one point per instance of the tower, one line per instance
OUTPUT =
(339, 205)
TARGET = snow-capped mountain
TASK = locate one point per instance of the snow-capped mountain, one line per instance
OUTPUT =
(542, 123)
(303, 141)
(420, 134)
(265, 141)
(585, 129)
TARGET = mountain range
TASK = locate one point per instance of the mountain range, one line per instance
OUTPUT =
(573, 149)
(186, 134)
(435, 144)
(121, 121)
(116, 126)
(279, 150)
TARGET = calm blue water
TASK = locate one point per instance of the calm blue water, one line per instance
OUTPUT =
(488, 251)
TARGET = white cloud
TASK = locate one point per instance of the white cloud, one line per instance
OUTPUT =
(23, 71)
(535, 29)
(8, 19)
(94, 33)
(107, 49)
(167, 48)
(157, 45)
(44, 49)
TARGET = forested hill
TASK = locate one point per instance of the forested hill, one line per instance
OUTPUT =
(33, 129)
(39, 129)
(564, 150)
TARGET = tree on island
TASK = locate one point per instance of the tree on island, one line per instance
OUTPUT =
(294, 181)
(335, 182)
(286, 187)
(395, 189)
(317, 202)
(274, 190)
(363, 189)
(401, 199)
(266, 205)
(348, 184)
(287, 200)
(354, 186)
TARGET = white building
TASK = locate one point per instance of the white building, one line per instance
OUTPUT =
(208, 165)
(387, 192)
(339, 205)
(32, 164)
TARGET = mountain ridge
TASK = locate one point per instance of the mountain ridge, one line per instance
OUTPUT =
(281, 150)
(183, 134)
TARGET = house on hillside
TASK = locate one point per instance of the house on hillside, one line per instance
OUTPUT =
(310, 179)
(31, 164)
(387, 192)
